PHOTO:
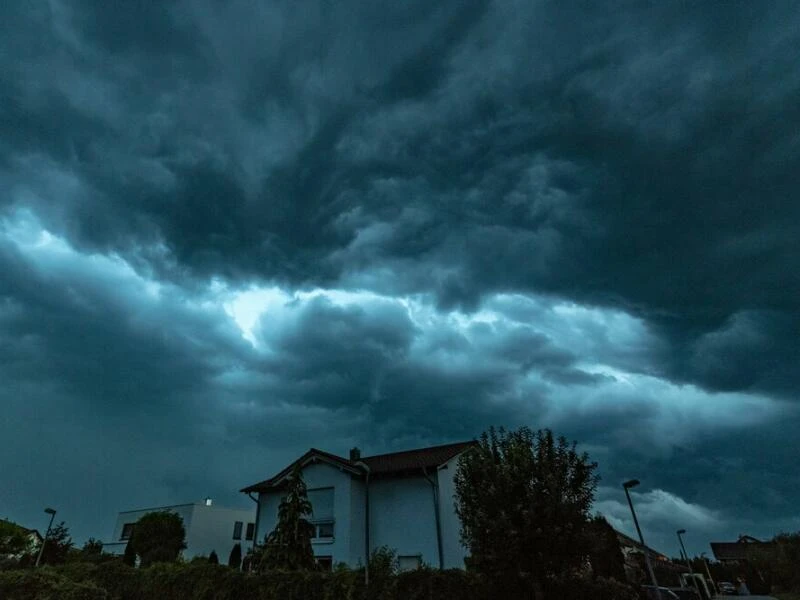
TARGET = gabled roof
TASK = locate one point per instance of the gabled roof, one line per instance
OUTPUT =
(629, 542)
(742, 549)
(392, 463)
(413, 460)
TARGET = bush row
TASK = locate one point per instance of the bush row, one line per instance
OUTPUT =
(116, 581)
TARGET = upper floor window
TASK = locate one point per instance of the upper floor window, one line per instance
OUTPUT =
(127, 530)
(322, 516)
(251, 528)
(237, 530)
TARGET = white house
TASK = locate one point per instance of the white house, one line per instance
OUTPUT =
(208, 527)
(403, 500)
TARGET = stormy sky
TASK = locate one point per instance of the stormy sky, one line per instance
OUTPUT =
(230, 231)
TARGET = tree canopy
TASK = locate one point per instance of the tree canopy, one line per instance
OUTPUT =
(288, 546)
(57, 545)
(14, 539)
(235, 557)
(158, 537)
(523, 498)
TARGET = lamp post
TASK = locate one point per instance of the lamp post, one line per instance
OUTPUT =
(627, 486)
(52, 514)
(710, 578)
(680, 532)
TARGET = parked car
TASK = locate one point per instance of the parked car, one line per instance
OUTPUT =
(649, 592)
(726, 588)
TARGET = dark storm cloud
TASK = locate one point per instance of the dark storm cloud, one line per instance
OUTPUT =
(616, 182)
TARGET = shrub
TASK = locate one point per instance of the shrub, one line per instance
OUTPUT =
(571, 586)
(46, 584)
(235, 558)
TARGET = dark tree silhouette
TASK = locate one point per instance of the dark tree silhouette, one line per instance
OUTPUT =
(288, 546)
(606, 555)
(129, 558)
(159, 537)
(524, 499)
(235, 558)
(59, 543)
(213, 558)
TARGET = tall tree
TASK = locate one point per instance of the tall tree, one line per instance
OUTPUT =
(605, 552)
(57, 545)
(235, 558)
(288, 546)
(159, 537)
(523, 499)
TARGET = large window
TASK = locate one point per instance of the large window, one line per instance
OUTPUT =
(127, 530)
(322, 516)
(237, 530)
(251, 528)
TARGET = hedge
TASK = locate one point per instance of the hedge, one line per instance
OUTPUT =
(117, 581)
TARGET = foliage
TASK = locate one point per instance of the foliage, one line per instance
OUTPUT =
(92, 547)
(777, 563)
(383, 567)
(523, 499)
(14, 540)
(57, 545)
(129, 557)
(288, 546)
(204, 581)
(235, 558)
(575, 586)
(213, 558)
(46, 584)
(158, 537)
(605, 552)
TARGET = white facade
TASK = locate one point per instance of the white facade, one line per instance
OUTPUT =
(403, 511)
(208, 527)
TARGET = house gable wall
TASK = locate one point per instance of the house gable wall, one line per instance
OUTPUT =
(317, 475)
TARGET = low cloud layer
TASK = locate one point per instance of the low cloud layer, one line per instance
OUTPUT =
(230, 233)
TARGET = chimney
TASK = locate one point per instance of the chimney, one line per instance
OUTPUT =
(355, 454)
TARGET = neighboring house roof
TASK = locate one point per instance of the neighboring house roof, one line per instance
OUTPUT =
(392, 463)
(412, 460)
(628, 542)
(742, 549)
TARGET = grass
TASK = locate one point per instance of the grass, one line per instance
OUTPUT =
(787, 595)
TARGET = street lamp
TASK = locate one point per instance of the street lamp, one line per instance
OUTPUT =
(627, 486)
(710, 578)
(52, 514)
(680, 532)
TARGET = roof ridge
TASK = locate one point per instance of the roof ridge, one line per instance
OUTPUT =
(426, 448)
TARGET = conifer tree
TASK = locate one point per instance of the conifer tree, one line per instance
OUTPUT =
(288, 546)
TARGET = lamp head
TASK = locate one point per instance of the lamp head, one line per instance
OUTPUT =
(681, 531)
(50, 511)
(630, 484)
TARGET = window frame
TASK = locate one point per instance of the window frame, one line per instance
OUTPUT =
(250, 532)
(126, 528)
(237, 529)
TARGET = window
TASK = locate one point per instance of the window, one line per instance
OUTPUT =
(325, 530)
(325, 563)
(251, 528)
(409, 563)
(127, 530)
(321, 504)
(237, 530)
(322, 513)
